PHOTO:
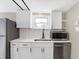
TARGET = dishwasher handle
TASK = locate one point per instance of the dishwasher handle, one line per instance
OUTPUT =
(61, 45)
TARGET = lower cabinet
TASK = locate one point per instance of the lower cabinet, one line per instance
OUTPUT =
(41, 50)
(24, 53)
(37, 51)
(42, 53)
(14, 51)
(48, 53)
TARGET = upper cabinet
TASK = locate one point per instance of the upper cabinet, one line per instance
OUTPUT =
(56, 20)
(23, 19)
(41, 20)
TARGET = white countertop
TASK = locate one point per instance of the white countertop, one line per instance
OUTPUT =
(32, 40)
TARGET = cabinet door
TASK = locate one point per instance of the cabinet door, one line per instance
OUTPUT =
(57, 20)
(23, 19)
(36, 53)
(2, 47)
(47, 53)
(24, 53)
(14, 53)
(2, 27)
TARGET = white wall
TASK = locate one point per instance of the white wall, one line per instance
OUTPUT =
(30, 33)
(73, 15)
(9, 15)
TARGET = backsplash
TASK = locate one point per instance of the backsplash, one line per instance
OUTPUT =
(33, 33)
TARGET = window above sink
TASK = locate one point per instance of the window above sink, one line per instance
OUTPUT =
(40, 20)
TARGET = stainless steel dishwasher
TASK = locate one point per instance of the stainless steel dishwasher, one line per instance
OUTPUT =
(62, 50)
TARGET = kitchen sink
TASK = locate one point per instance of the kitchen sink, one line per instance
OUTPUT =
(42, 40)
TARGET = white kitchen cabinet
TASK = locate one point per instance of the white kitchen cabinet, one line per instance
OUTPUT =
(23, 19)
(36, 53)
(20, 51)
(64, 24)
(42, 51)
(48, 53)
(2, 48)
(32, 51)
(2, 26)
(56, 20)
(14, 51)
(24, 53)
(24, 50)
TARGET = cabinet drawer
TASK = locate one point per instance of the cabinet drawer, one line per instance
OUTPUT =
(42, 44)
(13, 44)
(24, 44)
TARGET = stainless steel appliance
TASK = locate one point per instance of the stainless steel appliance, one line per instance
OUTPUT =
(8, 32)
(59, 35)
(62, 51)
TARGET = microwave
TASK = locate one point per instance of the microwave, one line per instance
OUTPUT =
(59, 35)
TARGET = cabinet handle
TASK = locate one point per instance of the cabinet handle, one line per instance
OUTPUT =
(30, 49)
(13, 44)
(25, 45)
(17, 49)
(42, 50)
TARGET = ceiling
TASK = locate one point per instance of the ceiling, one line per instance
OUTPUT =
(37, 5)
